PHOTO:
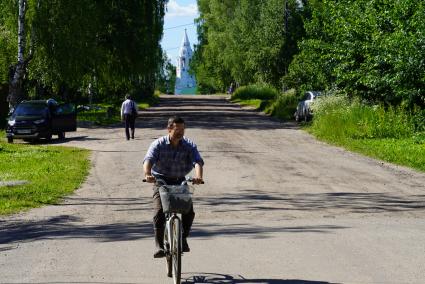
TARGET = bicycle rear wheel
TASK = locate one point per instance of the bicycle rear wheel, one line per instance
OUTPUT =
(176, 250)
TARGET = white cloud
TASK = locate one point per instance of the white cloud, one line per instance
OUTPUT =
(175, 10)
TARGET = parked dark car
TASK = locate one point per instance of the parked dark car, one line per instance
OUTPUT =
(304, 111)
(32, 120)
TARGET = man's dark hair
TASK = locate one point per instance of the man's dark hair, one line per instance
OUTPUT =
(175, 119)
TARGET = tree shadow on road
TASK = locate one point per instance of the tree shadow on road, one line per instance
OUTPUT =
(348, 202)
(71, 227)
(253, 231)
(207, 113)
(74, 138)
(215, 278)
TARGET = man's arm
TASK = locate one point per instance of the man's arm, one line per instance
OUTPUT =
(198, 174)
(147, 169)
(122, 111)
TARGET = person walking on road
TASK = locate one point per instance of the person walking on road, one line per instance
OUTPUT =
(129, 111)
(171, 158)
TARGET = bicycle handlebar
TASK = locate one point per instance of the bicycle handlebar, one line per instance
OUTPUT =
(187, 179)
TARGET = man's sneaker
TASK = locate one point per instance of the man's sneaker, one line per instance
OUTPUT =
(159, 254)
(185, 246)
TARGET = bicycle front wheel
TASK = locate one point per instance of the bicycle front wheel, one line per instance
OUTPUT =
(169, 260)
(176, 250)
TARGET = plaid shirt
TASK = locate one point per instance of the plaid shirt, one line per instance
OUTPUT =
(173, 162)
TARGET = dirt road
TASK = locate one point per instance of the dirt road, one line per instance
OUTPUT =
(277, 207)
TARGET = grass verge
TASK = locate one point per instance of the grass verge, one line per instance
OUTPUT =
(51, 173)
(279, 105)
(255, 103)
(389, 134)
(100, 114)
(106, 114)
(409, 152)
(405, 152)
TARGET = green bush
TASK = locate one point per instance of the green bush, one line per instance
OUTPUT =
(337, 117)
(418, 119)
(105, 114)
(284, 106)
(262, 92)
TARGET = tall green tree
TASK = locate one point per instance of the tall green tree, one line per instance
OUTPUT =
(208, 61)
(166, 77)
(111, 45)
(367, 48)
(246, 41)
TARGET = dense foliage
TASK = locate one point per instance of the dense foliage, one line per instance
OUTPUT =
(166, 77)
(255, 92)
(106, 48)
(392, 134)
(372, 49)
(368, 48)
(247, 41)
(335, 115)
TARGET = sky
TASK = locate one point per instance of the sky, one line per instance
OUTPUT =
(180, 15)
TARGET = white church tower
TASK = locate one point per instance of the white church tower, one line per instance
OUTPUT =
(185, 83)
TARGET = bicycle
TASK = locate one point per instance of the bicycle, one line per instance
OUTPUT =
(176, 200)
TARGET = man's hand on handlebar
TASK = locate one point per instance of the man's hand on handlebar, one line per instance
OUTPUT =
(149, 178)
(193, 180)
(197, 180)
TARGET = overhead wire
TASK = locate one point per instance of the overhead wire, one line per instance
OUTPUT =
(175, 27)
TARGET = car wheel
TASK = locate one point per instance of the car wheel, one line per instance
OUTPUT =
(9, 139)
(61, 135)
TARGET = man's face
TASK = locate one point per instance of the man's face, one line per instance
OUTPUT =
(176, 131)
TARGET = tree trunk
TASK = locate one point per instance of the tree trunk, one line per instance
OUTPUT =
(15, 85)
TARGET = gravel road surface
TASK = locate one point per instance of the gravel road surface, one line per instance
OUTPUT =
(278, 207)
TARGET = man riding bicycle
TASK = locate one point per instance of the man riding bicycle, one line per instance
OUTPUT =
(171, 158)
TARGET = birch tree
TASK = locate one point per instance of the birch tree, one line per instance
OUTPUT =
(70, 43)
(18, 70)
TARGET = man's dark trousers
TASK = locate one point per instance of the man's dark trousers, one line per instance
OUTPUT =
(129, 124)
(159, 216)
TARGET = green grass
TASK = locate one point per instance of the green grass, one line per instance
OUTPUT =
(406, 152)
(389, 134)
(338, 118)
(409, 152)
(281, 106)
(51, 172)
(284, 106)
(255, 103)
(100, 117)
(262, 92)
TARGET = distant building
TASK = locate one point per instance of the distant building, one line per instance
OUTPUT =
(185, 83)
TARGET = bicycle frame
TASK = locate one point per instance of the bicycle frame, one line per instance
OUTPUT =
(173, 239)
